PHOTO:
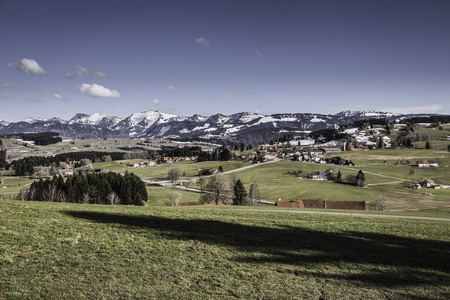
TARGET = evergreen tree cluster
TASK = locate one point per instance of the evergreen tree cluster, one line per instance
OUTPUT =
(24, 166)
(222, 154)
(444, 119)
(185, 151)
(97, 188)
(42, 139)
(3, 163)
(91, 155)
(328, 134)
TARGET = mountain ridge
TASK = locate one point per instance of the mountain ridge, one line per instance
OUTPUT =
(239, 127)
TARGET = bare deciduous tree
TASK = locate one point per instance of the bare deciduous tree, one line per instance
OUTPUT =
(253, 195)
(380, 203)
(173, 175)
(23, 194)
(174, 198)
(113, 199)
(217, 188)
(86, 198)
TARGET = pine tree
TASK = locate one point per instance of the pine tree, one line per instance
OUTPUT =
(239, 193)
(361, 179)
(339, 177)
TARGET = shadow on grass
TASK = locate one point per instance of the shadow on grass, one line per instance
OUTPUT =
(365, 258)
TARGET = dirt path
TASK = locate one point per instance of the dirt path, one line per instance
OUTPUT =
(349, 214)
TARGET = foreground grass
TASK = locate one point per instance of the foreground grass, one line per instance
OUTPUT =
(68, 251)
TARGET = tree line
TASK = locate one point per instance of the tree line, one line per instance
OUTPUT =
(42, 139)
(98, 188)
(25, 166)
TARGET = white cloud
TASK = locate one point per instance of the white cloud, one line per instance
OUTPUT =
(27, 65)
(427, 109)
(257, 53)
(156, 101)
(99, 74)
(7, 85)
(58, 96)
(97, 90)
(5, 95)
(202, 41)
(235, 90)
(257, 111)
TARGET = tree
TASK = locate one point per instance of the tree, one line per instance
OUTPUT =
(350, 179)
(253, 195)
(380, 144)
(233, 179)
(225, 155)
(380, 203)
(339, 176)
(427, 145)
(113, 198)
(173, 175)
(216, 188)
(239, 193)
(361, 179)
(174, 198)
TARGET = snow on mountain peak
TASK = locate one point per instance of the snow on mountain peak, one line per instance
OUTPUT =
(94, 119)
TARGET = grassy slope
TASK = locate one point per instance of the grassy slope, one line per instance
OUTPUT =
(67, 251)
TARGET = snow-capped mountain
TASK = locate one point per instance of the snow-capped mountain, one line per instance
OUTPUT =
(364, 114)
(95, 119)
(244, 127)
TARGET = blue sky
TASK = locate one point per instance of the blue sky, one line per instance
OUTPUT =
(59, 58)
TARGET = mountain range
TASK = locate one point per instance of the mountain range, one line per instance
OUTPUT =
(244, 127)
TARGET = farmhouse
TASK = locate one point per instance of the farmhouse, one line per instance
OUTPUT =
(428, 183)
(427, 163)
(319, 175)
(132, 165)
(65, 172)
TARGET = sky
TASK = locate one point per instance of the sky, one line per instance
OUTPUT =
(59, 58)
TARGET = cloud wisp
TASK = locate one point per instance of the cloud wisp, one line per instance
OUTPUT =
(27, 65)
(202, 41)
(97, 90)
(59, 96)
(172, 88)
(5, 95)
(77, 72)
(156, 101)
(257, 52)
(99, 74)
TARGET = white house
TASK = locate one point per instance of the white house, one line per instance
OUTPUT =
(427, 164)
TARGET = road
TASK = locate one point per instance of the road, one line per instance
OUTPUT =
(348, 214)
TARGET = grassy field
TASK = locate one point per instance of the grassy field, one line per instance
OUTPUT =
(189, 169)
(75, 251)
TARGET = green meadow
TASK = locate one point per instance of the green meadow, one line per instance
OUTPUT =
(76, 251)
